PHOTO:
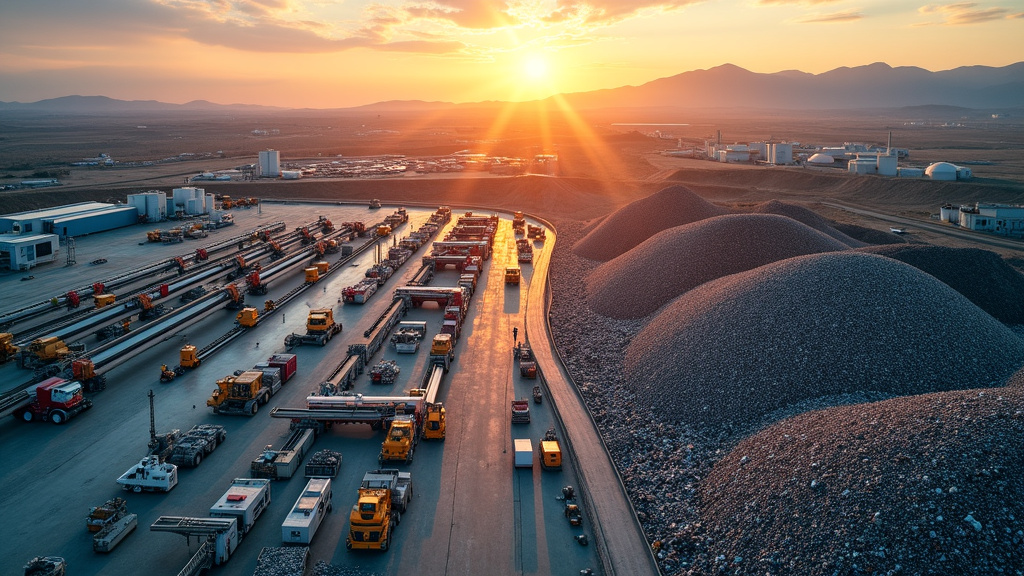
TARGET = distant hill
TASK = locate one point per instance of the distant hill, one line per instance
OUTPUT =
(875, 85)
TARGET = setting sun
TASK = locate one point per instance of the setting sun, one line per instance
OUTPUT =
(535, 67)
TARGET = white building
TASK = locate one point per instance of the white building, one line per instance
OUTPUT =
(270, 164)
(21, 252)
(190, 200)
(780, 153)
(1003, 219)
(948, 172)
(152, 205)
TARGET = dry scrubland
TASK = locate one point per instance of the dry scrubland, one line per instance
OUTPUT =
(782, 393)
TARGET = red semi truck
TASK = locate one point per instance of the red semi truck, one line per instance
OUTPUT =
(54, 400)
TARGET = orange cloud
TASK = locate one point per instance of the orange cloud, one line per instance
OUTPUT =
(845, 16)
(962, 13)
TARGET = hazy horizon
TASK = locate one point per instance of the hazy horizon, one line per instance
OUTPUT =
(324, 54)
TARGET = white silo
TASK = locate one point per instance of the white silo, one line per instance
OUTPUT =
(209, 204)
(941, 171)
(139, 202)
(156, 206)
(270, 164)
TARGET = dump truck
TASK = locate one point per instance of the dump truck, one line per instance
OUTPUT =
(550, 451)
(54, 400)
(320, 327)
(245, 500)
(150, 475)
(190, 448)
(442, 350)
(244, 393)
(323, 464)
(512, 276)
(402, 437)
(383, 496)
(520, 411)
(434, 425)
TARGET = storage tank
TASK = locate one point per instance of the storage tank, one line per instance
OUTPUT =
(138, 201)
(209, 204)
(949, 213)
(156, 206)
(941, 171)
(821, 159)
(194, 206)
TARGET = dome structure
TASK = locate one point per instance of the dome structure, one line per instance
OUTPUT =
(820, 158)
(941, 171)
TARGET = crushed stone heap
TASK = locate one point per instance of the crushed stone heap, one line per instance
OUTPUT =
(740, 347)
(980, 275)
(808, 217)
(925, 484)
(679, 259)
(632, 224)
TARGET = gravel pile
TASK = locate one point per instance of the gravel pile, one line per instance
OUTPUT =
(282, 561)
(808, 217)
(676, 260)
(1001, 294)
(637, 221)
(742, 346)
(926, 484)
(322, 568)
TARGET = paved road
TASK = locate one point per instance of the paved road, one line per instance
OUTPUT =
(625, 550)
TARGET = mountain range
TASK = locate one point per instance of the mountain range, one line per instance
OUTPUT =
(875, 85)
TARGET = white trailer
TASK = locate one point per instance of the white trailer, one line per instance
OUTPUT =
(309, 511)
(150, 475)
(245, 500)
(524, 453)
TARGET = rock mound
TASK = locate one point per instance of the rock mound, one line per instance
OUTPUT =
(924, 484)
(637, 221)
(740, 347)
(679, 259)
(980, 275)
(808, 217)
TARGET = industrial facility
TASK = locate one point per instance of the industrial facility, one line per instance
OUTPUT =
(23, 251)
(1002, 219)
(70, 220)
(270, 164)
(156, 206)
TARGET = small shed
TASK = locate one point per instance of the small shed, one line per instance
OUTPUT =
(22, 252)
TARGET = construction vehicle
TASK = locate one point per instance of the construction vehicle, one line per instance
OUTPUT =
(150, 475)
(283, 463)
(111, 535)
(525, 250)
(145, 304)
(572, 508)
(360, 292)
(434, 422)
(550, 451)
(383, 496)
(537, 396)
(54, 400)
(101, 516)
(167, 374)
(244, 501)
(383, 230)
(188, 357)
(287, 363)
(243, 394)
(247, 317)
(512, 276)
(527, 365)
(46, 566)
(190, 448)
(301, 524)
(153, 235)
(43, 351)
(253, 283)
(535, 232)
(320, 327)
(402, 437)
(442, 351)
(236, 299)
(520, 411)
(7, 348)
(323, 464)
(374, 204)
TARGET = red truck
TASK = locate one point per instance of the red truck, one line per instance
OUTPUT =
(54, 400)
(286, 362)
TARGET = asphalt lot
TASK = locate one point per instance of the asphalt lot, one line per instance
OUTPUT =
(471, 508)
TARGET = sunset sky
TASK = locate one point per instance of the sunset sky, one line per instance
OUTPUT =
(336, 53)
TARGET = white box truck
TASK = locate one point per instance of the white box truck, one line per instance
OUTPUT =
(245, 500)
(309, 511)
(524, 453)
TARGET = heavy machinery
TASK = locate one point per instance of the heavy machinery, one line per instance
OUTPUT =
(374, 204)
(520, 411)
(572, 508)
(100, 516)
(43, 351)
(383, 496)
(247, 317)
(190, 448)
(242, 394)
(442, 350)
(402, 437)
(538, 397)
(188, 357)
(512, 276)
(167, 373)
(434, 424)
(527, 365)
(54, 400)
(320, 327)
(283, 463)
(323, 464)
(7, 348)
(150, 475)
(550, 451)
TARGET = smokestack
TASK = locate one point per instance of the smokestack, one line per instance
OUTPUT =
(718, 137)
(888, 145)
